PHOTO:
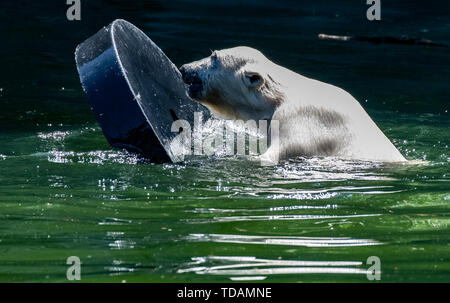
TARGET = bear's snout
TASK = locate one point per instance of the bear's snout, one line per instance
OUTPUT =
(193, 80)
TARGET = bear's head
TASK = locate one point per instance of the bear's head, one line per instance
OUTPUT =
(235, 83)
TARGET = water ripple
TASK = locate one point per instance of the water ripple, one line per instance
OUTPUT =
(202, 210)
(283, 240)
(114, 221)
(93, 157)
(275, 217)
(252, 268)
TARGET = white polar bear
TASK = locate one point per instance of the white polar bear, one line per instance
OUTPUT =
(315, 118)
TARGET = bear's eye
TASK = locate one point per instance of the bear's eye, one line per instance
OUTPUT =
(253, 79)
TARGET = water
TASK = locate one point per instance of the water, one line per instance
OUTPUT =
(64, 192)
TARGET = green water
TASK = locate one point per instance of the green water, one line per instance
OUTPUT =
(64, 192)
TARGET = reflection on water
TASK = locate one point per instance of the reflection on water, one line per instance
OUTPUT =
(252, 268)
(56, 135)
(114, 221)
(276, 217)
(279, 208)
(328, 169)
(93, 157)
(283, 240)
(118, 268)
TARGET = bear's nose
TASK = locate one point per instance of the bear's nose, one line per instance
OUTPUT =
(189, 77)
(193, 80)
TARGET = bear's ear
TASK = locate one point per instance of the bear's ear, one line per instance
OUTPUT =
(253, 80)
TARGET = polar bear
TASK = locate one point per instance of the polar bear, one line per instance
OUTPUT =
(315, 118)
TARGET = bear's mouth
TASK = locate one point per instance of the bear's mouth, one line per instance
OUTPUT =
(193, 81)
(195, 90)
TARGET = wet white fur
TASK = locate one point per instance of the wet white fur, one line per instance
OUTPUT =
(315, 118)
